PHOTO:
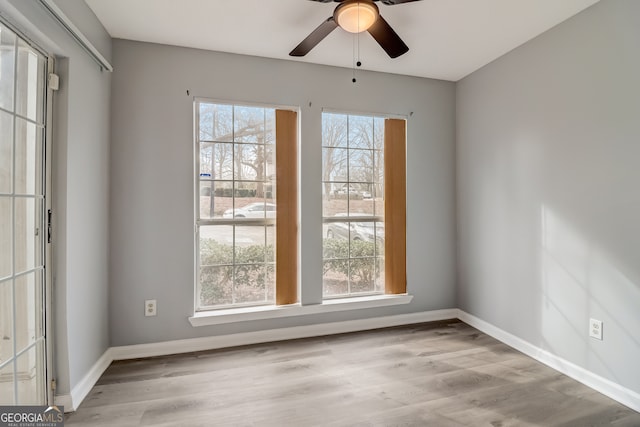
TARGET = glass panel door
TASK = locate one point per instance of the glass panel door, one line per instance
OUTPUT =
(22, 222)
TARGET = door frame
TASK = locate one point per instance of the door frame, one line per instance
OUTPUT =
(47, 164)
(48, 258)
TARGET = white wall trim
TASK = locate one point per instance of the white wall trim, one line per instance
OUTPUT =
(244, 314)
(607, 387)
(84, 386)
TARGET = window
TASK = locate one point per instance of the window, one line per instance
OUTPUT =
(236, 206)
(353, 204)
(246, 208)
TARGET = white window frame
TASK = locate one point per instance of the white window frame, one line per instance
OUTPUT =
(200, 222)
(374, 218)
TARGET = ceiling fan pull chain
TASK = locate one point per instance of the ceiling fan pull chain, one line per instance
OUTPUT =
(358, 63)
(353, 62)
(356, 41)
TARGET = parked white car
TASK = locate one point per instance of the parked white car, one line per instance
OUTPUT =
(366, 231)
(252, 210)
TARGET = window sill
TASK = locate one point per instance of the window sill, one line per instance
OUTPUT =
(245, 314)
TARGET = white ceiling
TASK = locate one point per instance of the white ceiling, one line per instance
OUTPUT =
(448, 39)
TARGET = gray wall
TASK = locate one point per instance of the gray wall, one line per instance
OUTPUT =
(548, 200)
(151, 205)
(81, 187)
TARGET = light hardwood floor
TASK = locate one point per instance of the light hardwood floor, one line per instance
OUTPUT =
(433, 374)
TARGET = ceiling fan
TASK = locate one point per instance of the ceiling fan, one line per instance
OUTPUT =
(356, 16)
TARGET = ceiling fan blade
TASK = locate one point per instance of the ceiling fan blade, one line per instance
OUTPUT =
(387, 38)
(392, 2)
(314, 38)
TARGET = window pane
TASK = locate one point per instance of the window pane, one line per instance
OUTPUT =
(249, 124)
(270, 198)
(334, 130)
(216, 199)
(6, 322)
(250, 244)
(378, 133)
(216, 285)
(270, 123)
(206, 161)
(29, 89)
(270, 251)
(368, 191)
(336, 243)
(216, 245)
(251, 252)
(7, 67)
(6, 385)
(379, 237)
(28, 158)
(6, 151)
(335, 201)
(216, 122)
(360, 247)
(250, 162)
(247, 202)
(378, 165)
(358, 205)
(334, 164)
(6, 236)
(216, 161)
(363, 239)
(30, 376)
(379, 274)
(207, 200)
(361, 167)
(29, 297)
(270, 162)
(360, 132)
(335, 279)
(378, 201)
(250, 283)
(271, 282)
(362, 275)
(28, 234)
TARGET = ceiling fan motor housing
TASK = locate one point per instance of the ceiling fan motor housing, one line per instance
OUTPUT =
(356, 16)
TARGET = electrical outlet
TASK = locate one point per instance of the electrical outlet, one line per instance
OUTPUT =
(150, 307)
(595, 329)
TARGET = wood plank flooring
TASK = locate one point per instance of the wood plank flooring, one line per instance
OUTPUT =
(434, 374)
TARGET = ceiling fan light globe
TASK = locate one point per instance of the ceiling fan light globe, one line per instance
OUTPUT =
(356, 16)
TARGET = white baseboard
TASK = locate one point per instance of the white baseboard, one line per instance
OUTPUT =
(82, 389)
(72, 401)
(271, 335)
(607, 387)
(65, 401)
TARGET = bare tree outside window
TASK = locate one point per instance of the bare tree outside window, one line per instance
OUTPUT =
(353, 204)
(236, 205)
